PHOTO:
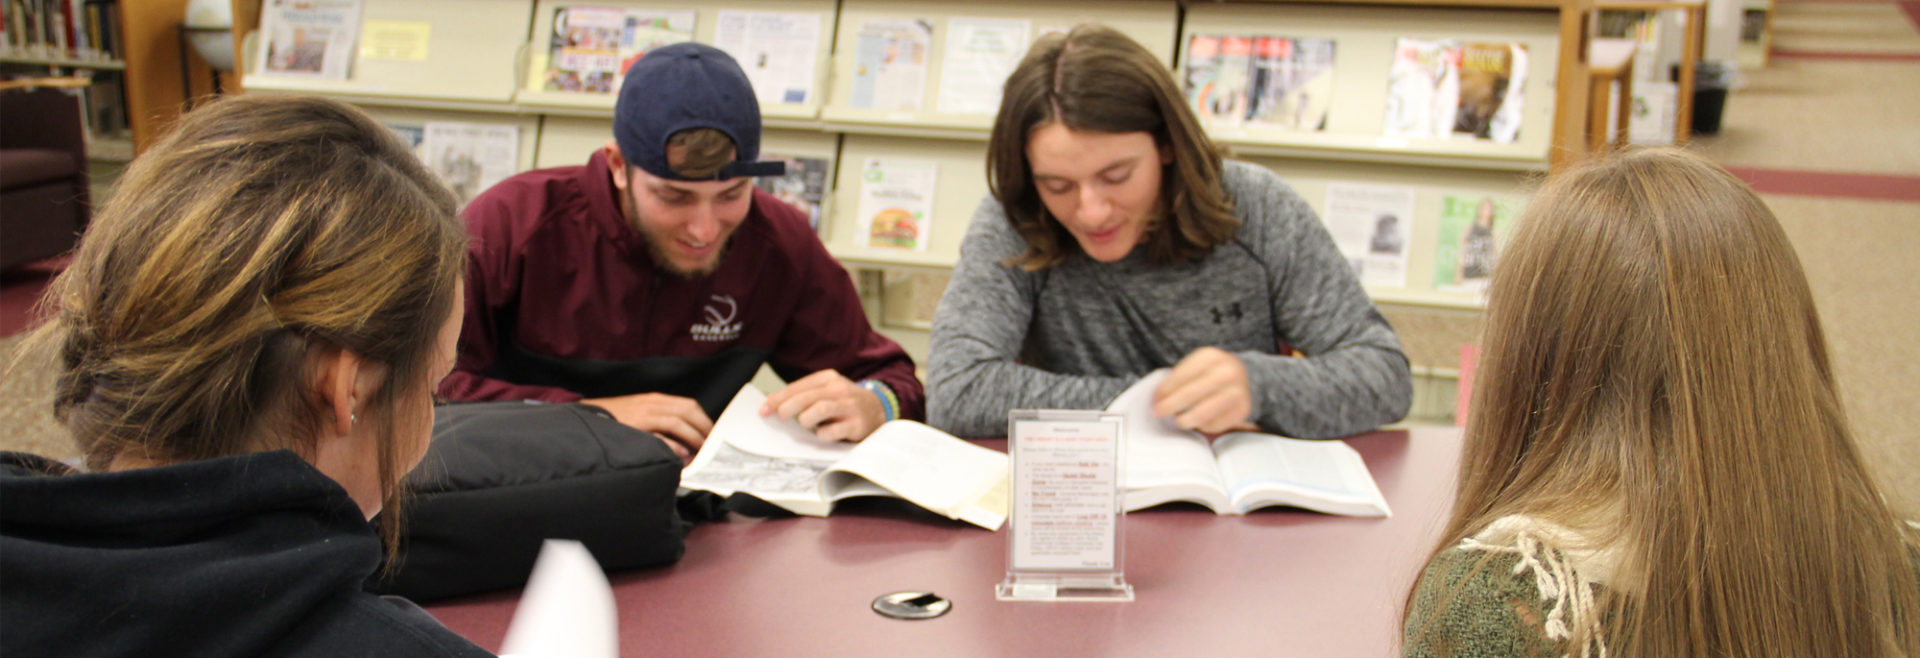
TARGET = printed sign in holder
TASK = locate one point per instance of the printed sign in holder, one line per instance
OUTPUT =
(1066, 534)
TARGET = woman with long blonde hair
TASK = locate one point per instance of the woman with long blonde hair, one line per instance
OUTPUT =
(245, 349)
(1657, 462)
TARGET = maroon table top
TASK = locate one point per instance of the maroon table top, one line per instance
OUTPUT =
(1278, 582)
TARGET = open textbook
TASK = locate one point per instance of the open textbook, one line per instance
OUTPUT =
(773, 459)
(1239, 472)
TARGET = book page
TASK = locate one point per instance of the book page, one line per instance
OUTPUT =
(778, 51)
(724, 469)
(1319, 472)
(567, 607)
(742, 426)
(924, 465)
(1159, 454)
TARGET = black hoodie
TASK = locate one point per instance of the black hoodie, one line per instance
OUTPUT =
(252, 555)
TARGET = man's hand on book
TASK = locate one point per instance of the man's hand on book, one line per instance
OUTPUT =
(1207, 392)
(828, 404)
(679, 422)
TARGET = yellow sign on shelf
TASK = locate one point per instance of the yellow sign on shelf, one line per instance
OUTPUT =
(406, 40)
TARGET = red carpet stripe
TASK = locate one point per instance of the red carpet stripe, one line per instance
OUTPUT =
(1783, 53)
(1878, 187)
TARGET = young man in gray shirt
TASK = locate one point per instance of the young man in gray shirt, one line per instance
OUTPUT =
(1118, 242)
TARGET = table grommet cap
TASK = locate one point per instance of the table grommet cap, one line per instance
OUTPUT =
(911, 605)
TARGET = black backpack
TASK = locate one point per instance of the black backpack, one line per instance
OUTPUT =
(500, 477)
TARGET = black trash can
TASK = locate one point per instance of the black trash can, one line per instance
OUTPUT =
(1711, 80)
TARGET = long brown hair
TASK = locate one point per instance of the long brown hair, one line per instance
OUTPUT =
(1655, 376)
(258, 232)
(1095, 79)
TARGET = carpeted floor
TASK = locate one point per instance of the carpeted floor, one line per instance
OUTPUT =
(26, 408)
(1834, 113)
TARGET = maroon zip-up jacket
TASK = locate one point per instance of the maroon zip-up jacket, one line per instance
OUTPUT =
(564, 302)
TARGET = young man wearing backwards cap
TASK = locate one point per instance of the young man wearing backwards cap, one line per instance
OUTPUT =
(656, 279)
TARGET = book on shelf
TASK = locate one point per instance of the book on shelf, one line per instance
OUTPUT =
(1292, 82)
(1264, 79)
(1423, 85)
(1491, 78)
(803, 186)
(1218, 74)
(1651, 120)
(591, 47)
(777, 461)
(890, 64)
(896, 203)
(1472, 229)
(1237, 472)
(308, 38)
(778, 52)
(82, 30)
(1444, 88)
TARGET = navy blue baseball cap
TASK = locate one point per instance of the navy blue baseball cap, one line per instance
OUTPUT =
(682, 86)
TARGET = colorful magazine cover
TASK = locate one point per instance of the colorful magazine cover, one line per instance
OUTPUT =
(1423, 88)
(1202, 62)
(1491, 78)
(1472, 230)
(1220, 78)
(592, 47)
(1292, 82)
(309, 38)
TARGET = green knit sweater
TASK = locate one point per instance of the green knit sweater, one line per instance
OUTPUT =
(1493, 613)
(1502, 607)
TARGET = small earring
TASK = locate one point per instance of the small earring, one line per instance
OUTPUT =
(353, 419)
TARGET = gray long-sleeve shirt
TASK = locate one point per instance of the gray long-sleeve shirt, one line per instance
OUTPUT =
(1074, 335)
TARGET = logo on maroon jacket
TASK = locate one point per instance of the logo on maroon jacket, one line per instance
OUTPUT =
(719, 326)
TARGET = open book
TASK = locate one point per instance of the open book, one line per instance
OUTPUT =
(777, 461)
(1239, 472)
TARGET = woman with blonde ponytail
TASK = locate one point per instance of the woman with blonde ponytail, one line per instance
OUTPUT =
(1657, 462)
(245, 348)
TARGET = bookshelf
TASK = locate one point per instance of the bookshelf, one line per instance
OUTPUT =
(1694, 40)
(81, 46)
(485, 60)
(1150, 22)
(816, 16)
